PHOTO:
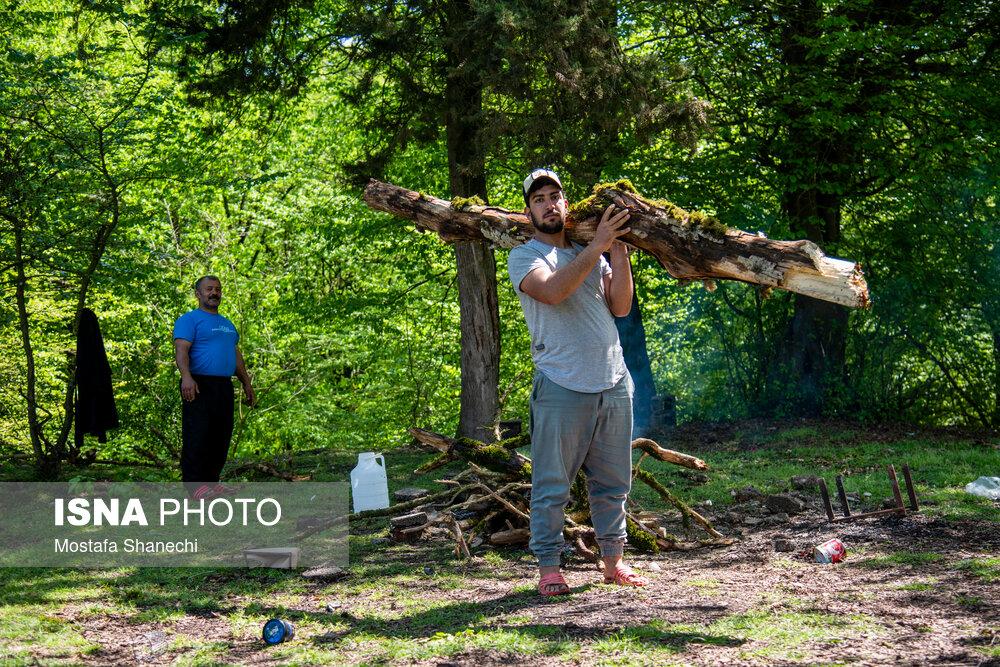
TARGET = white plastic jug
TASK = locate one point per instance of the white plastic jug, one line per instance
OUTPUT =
(369, 487)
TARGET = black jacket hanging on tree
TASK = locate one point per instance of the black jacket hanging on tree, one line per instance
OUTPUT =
(95, 401)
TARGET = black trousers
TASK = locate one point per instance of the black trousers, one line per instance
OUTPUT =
(206, 428)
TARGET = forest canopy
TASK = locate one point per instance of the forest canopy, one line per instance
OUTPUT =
(147, 143)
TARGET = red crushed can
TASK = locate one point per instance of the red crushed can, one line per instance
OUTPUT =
(831, 551)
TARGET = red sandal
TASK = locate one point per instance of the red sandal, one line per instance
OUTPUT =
(552, 579)
(626, 576)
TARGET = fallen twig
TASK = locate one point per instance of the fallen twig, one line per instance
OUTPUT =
(462, 547)
(676, 502)
(263, 467)
(668, 455)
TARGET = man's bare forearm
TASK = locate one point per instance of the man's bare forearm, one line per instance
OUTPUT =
(241, 370)
(182, 357)
(554, 287)
(621, 286)
(241, 373)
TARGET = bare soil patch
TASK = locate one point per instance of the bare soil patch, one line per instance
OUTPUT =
(745, 603)
(933, 612)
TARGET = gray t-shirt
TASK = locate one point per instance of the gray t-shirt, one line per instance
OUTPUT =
(575, 343)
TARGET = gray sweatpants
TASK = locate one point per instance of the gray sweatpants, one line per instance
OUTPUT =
(570, 431)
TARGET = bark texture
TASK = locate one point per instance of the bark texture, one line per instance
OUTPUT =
(688, 246)
(474, 262)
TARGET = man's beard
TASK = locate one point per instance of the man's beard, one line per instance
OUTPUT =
(548, 227)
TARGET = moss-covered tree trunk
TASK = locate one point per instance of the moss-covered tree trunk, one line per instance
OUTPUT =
(688, 246)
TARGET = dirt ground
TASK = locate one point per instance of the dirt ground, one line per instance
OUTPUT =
(906, 622)
(865, 610)
(941, 625)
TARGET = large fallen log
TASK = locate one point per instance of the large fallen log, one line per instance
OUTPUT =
(689, 246)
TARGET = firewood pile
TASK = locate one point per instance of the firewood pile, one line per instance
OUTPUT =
(488, 502)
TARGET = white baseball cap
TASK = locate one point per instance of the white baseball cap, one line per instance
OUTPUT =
(537, 179)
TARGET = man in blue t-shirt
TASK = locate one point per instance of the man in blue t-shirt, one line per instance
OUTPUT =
(207, 352)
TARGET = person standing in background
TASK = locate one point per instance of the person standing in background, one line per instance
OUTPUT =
(207, 353)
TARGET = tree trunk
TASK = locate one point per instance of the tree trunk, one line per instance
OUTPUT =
(996, 379)
(475, 264)
(687, 246)
(817, 333)
(46, 464)
(480, 341)
(817, 341)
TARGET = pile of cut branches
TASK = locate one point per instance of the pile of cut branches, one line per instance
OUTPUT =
(488, 502)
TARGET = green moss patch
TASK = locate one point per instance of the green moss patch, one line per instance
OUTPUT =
(599, 200)
(465, 203)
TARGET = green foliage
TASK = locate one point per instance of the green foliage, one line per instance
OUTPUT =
(116, 192)
(513, 89)
(839, 123)
(89, 121)
(329, 320)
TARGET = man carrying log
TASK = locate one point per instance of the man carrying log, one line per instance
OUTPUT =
(581, 400)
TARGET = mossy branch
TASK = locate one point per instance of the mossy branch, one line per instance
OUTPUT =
(438, 461)
(686, 512)
(639, 536)
(496, 457)
(516, 442)
(690, 246)
(668, 455)
(605, 194)
(411, 504)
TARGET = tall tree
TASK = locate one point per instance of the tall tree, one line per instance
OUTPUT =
(832, 104)
(508, 83)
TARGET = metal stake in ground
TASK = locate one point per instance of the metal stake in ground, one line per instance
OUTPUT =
(899, 508)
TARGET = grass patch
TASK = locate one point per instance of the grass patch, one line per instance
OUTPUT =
(973, 601)
(706, 586)
(654, 643)
(782, 634)
(767, 457)
(417, 602)
(989, 651)
(987, 569)
(522, 641)
(33, 630)
(918, 586)
(900, 558)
